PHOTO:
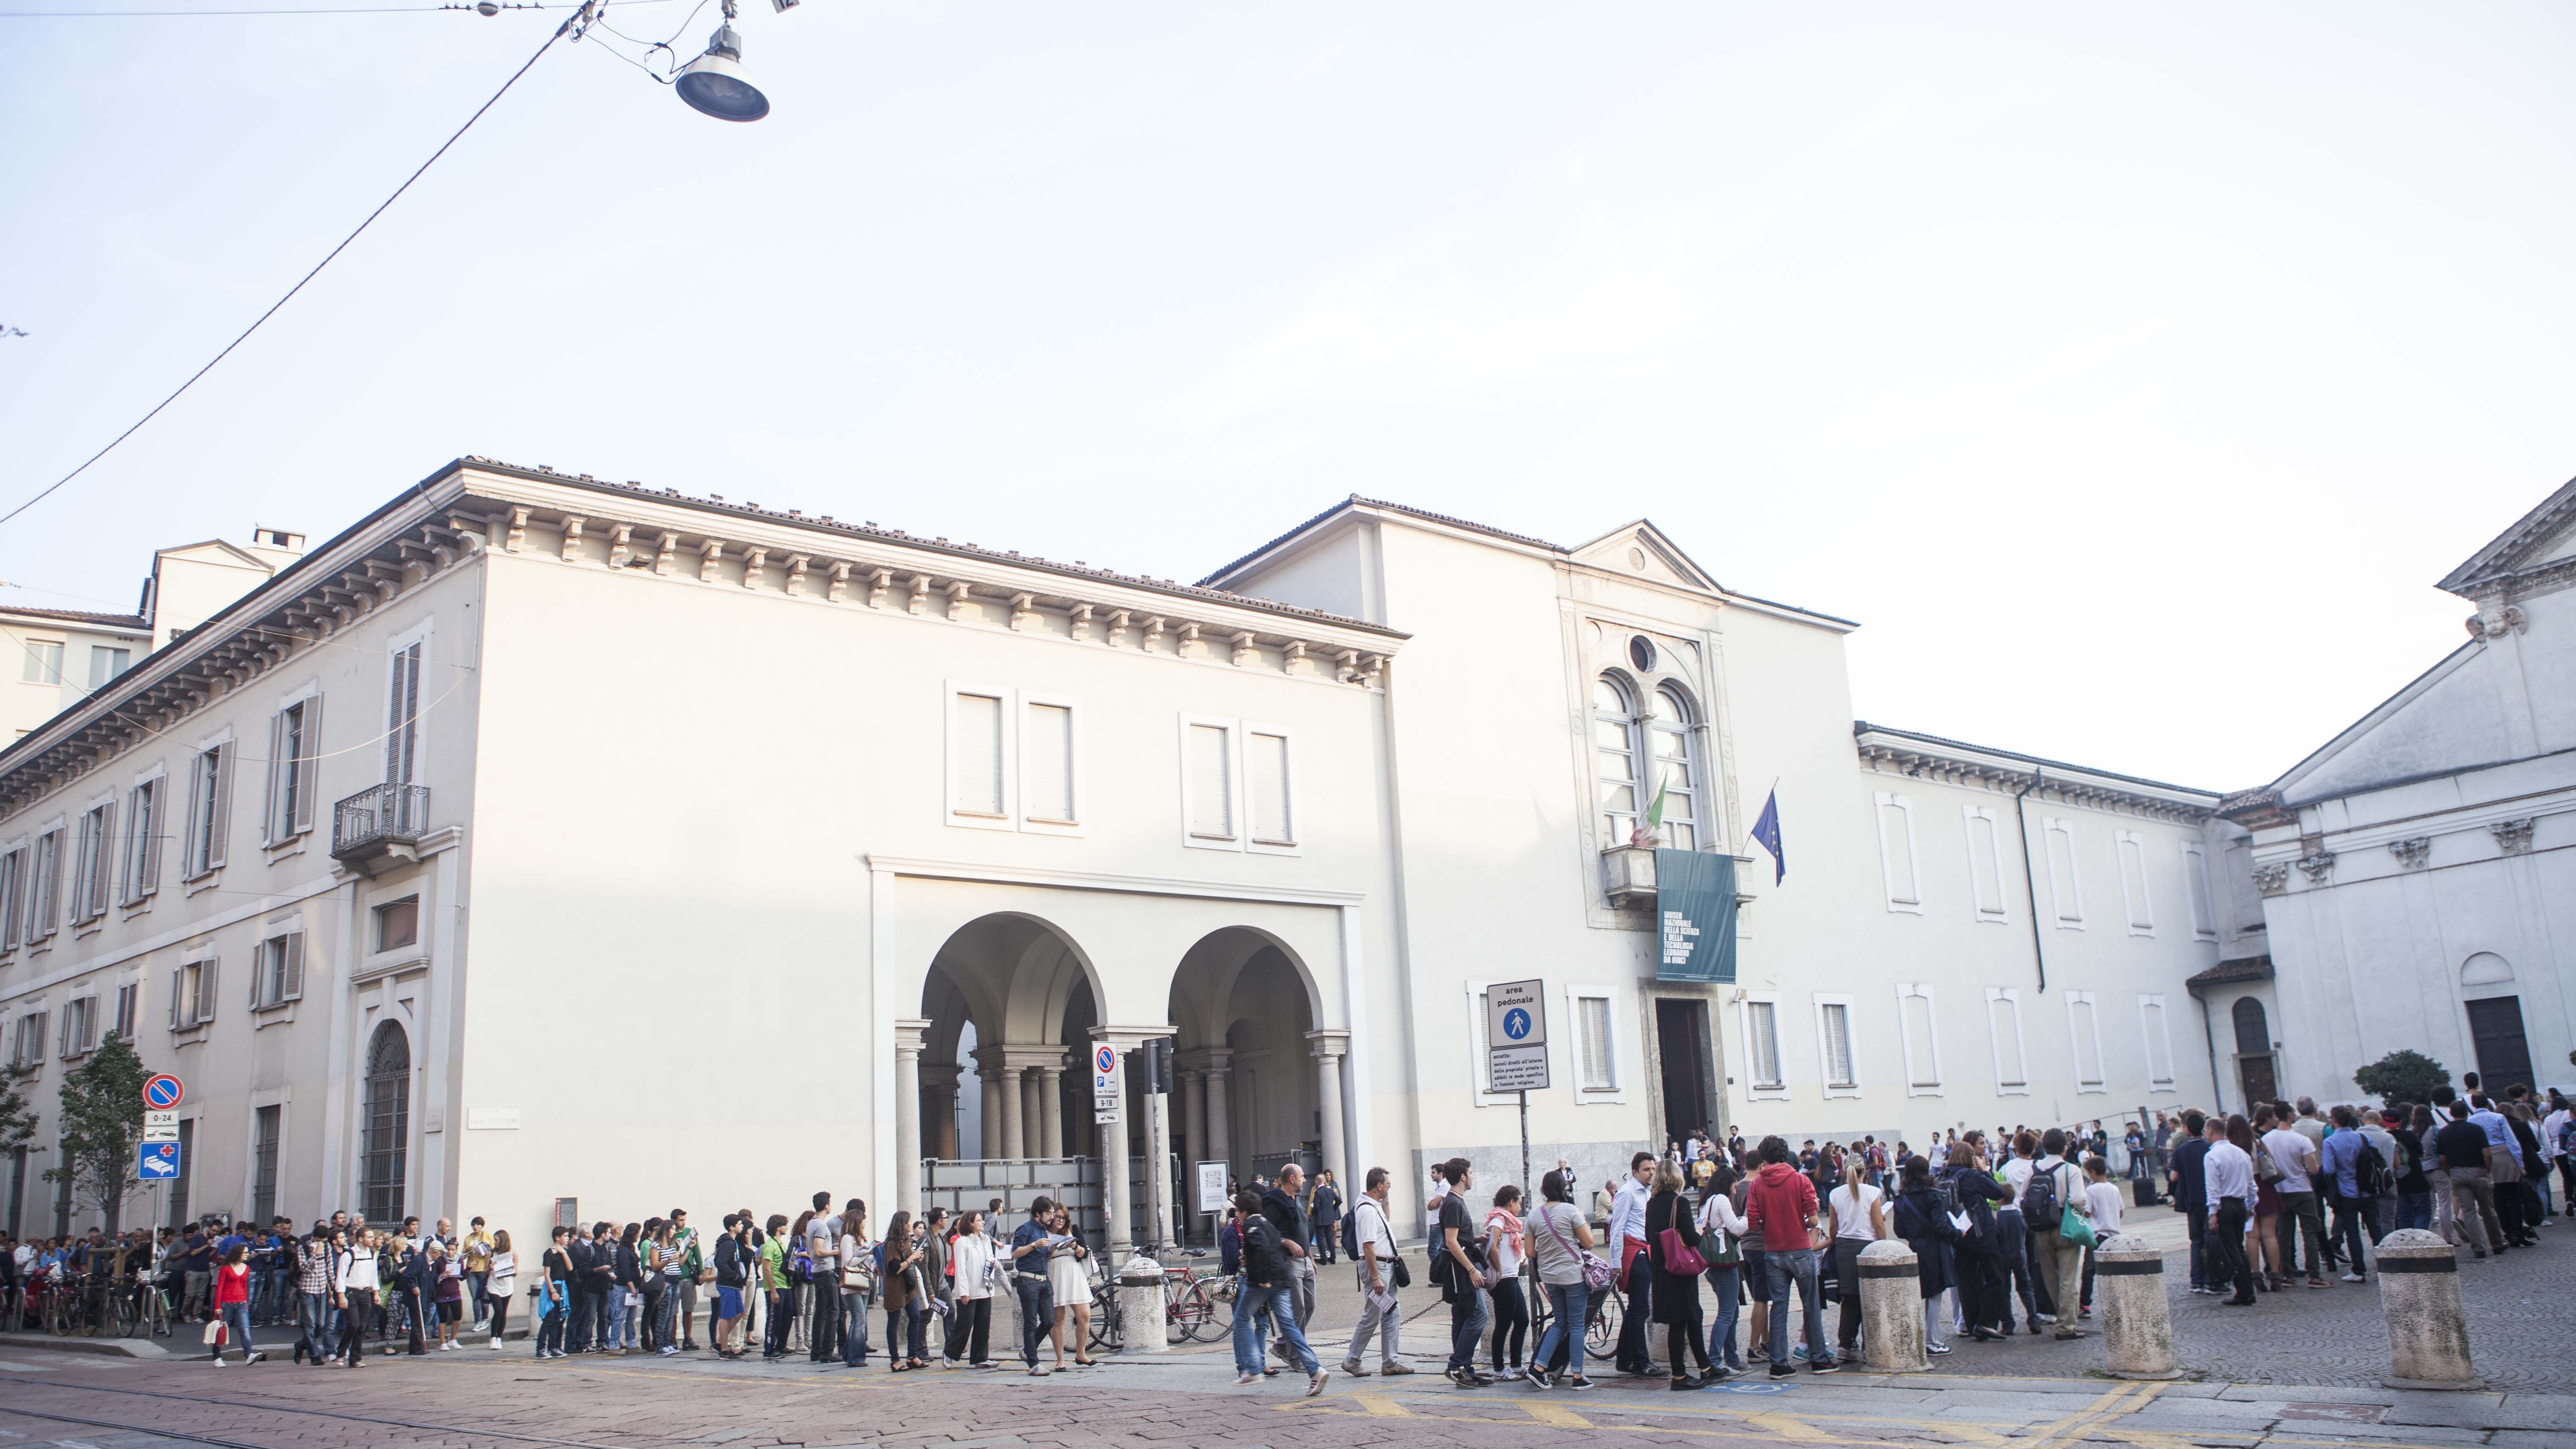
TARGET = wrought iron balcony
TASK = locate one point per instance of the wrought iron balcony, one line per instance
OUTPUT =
(380, 826)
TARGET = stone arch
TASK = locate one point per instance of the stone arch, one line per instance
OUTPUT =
(1018, 980)
(2485, 968)
(1246, 1007)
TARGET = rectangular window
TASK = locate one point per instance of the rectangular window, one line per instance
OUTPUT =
(44, 662)
(106, 663)
(2151, 1020)
(977, 755)
(128, 1003)
(1762, 1044)
(1833, 1025)
(210, 811)
(27, 1045)
(1986, 862)
(1896, 852)
(402, 715)
(92, 861)
(1922, 1051)
(2133, 881)
(1265, 772)
(2088, 1041)
(80, 1027)
(45, 886)
(398, 924)
(266, 1125)
(2195, 885)
(1592, 1043)
(2003, 1022)
(142, 865)
(2064, 890)
(192, 994)
(13, 894)
(1046, 754)
(294, 755)
(277, 975)
(1210, 776)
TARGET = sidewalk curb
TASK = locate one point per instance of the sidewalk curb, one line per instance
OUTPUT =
(108, 1347)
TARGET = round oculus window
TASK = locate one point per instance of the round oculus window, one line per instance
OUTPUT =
(1641, 651)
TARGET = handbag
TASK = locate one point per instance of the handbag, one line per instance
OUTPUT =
(1680, 1258)
(215, 1333)
(1597, 1272)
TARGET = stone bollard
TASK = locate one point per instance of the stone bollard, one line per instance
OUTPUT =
(2428, 1332)
(1143, 1327)
(1891, 1309)
(2137, 1320)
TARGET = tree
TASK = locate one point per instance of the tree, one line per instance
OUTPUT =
(2402, 1076)
(102, 1125)
(17, 1114)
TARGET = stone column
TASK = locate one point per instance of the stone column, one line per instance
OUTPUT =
(1220, 1117)
(907, 1115)
(2137, 1321)
(2428, 1333)
(939, 1082)
(1158, 1163)
(1051, 1111)
(1030, 1107)
(1891, 1308)
(1001, 1105)
(1329, 1047)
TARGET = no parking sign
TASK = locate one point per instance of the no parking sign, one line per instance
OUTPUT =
(1108, 1085)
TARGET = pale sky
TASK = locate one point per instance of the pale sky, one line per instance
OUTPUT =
(2130, 373)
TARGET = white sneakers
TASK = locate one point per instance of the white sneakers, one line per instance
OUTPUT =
(1315, 1385)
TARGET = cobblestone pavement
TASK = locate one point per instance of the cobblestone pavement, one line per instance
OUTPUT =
(480, 1400)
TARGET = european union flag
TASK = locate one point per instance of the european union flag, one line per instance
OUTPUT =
(1766, 833)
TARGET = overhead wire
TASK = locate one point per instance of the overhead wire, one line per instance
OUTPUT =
(311, 10)
(559, 33)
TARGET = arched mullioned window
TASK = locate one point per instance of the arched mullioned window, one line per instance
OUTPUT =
(1678, 770)
(1616, 750)
(386, 1126)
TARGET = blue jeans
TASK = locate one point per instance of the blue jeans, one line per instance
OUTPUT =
(1037, 1313)
(313, 1324)
(552, 1314)
(1467, 1318)
(2415, 1210)
(236, 1329)
(1722, 1280)
(1570, 1303)
(1251, 1304)
(1795, 1267)
(854, 1328)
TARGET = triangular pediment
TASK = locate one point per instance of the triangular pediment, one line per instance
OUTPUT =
(216, 551)
(1641, 549)
(2543, 537)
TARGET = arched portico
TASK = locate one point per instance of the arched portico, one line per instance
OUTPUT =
(1260, 1077)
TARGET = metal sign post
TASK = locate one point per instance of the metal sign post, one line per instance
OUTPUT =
(1516, 1048)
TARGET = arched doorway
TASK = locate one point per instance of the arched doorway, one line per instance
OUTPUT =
(1250, 1065)
(1008, 1003)
(385, 1126)
(2254, 1072)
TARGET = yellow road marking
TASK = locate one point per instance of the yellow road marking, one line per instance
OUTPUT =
(1379, 1406)
(1789, 1428)
(2147, 1438)
(1557, 1414)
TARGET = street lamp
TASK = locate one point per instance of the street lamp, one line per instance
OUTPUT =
(714, 83)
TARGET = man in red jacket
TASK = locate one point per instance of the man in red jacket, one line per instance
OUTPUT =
(1780, 1211)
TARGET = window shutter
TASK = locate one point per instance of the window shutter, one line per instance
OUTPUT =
(175, 978)
(402, 716)
(206, 990)
(1596, 1041)
(269, 826)
(308, 766)
(294, 949)
(101, 859)
(223, 816)
(155, 806)
(189, 865)
(1266, 774)
(1046, 754)
(1211, 783)
(979, 754)
(63, 1034)
(1838, 1058)
(1766, 1043)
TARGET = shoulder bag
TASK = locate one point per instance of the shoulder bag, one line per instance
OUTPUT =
(1597, 1272)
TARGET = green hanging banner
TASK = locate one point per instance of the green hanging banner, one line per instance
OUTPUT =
(1695, 915)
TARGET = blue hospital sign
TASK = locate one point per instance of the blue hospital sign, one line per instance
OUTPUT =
(158, 1162)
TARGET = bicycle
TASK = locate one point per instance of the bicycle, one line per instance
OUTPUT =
(1108, 1326)
(1190, 1303)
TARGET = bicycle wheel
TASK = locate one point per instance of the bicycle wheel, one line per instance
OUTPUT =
(1105, 1328)
(129, 1315)
(1193, 1312)
(1601, 1332)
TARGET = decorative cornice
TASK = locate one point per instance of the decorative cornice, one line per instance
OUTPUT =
(2317, 867)
(2412, 852)
(2272, 877)
(1952, 762)
(2513, 837)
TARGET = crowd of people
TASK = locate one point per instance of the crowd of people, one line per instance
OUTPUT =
(2004, 1229)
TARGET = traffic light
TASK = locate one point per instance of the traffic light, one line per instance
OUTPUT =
(1158, 1063)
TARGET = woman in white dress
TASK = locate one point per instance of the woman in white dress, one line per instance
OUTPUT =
(1069, 1283)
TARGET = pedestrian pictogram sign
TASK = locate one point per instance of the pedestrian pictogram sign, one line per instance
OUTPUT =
(1516, 1037)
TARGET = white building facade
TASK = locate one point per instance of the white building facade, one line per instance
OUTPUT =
(2418, 872)
(543, 846)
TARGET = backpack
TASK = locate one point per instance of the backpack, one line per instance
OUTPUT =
(2370, 1172)
(1351, 1233)
(2040, 1208)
